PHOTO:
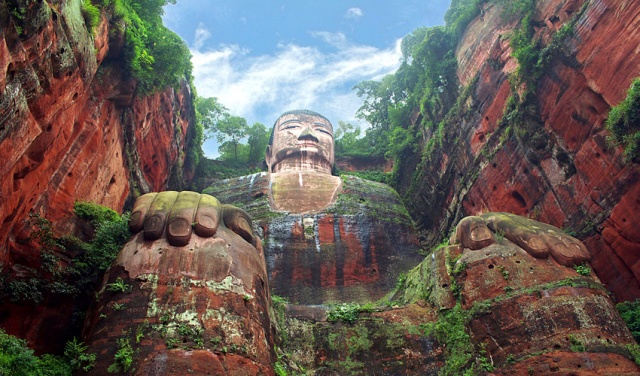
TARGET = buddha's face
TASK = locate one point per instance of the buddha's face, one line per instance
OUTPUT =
(301, 142)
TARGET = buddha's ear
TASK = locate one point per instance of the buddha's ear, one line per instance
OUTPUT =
(267, 157)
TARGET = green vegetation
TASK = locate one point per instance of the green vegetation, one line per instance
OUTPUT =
(450, 330)
(575, 344)
(372, 175)
(76, 279)
(91, 15)
(624, 123)
(634, 352)
(110, 234)
(119, 286)
(17, 359)
(347, 312)
(359, 195)
(95, 213)
(241, 147)
(279, 368)
(583, 269)
(630, 312)
(154, 55)
(123, 358)
(76, 353)
(230, 131)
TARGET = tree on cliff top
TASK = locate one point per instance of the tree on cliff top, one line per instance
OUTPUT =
(155, 56)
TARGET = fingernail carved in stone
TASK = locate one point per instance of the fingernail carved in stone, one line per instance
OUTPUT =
(153, 227)
(205, 225)
(179, 232)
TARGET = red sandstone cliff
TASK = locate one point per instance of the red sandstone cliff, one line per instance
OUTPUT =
(72, 127)
(558, 168)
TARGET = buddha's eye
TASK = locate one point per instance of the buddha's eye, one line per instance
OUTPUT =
(292, 126)
(322, 130)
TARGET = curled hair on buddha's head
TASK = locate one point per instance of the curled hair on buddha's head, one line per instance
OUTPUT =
(297, 112)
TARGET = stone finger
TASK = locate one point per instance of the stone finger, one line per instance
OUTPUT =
(497, 222)
(207, 216)
(532, 243)
(473, 233)
(181, 218)
(140, 208)
(521, 231)
(567, 250)
(155, 220)
(238, 221)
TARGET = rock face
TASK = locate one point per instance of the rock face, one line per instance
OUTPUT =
(353, 250)
(556, 165)
(72, 127)
(495, 310)
(200, 309)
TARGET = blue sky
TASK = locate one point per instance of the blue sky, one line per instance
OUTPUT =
(261, 58)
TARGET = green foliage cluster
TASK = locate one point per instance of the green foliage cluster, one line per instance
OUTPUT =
(155, 56)
(241, 147)
(76, 353)
(348, 312)
(349, 142)
(123, 358)
(372, 175)
(583, 269)
(17, 359)
(407, 107)
(95, 213)
(213, 169)
(361, 196)
(91, 15)
(450, 330)
(461, 13)
(533, 57)
(630, 312)
(575, 344)
(624, 123)
(119, 286)
(50, 277)
(111, 232)
(55, 276)
(634, 352)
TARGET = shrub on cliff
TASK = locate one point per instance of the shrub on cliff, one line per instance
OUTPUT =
(111, 232)
(17, 359)
(630, 312)
(91, 15)
(624, 123)
(156, 56)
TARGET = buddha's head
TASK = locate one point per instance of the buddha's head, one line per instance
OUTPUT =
(301, 140)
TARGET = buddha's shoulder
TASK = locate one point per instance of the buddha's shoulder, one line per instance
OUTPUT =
(240, 189)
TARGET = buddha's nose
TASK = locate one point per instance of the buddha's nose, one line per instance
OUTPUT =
(308, 135)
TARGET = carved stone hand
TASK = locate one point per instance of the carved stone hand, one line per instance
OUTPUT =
(180, 214)
(539, 239)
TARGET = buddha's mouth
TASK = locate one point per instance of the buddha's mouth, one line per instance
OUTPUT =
(309, 144)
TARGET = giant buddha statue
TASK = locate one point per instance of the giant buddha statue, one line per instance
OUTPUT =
(300, 158)
(326, 238)
(190, 292)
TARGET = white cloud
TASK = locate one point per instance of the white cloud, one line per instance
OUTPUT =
(353, 13)
(259, 88)
(202, 35)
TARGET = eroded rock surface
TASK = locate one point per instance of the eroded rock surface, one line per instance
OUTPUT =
(72, 128)
(351, 251)
(197, 309)
(496, 309)
(555, 166)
